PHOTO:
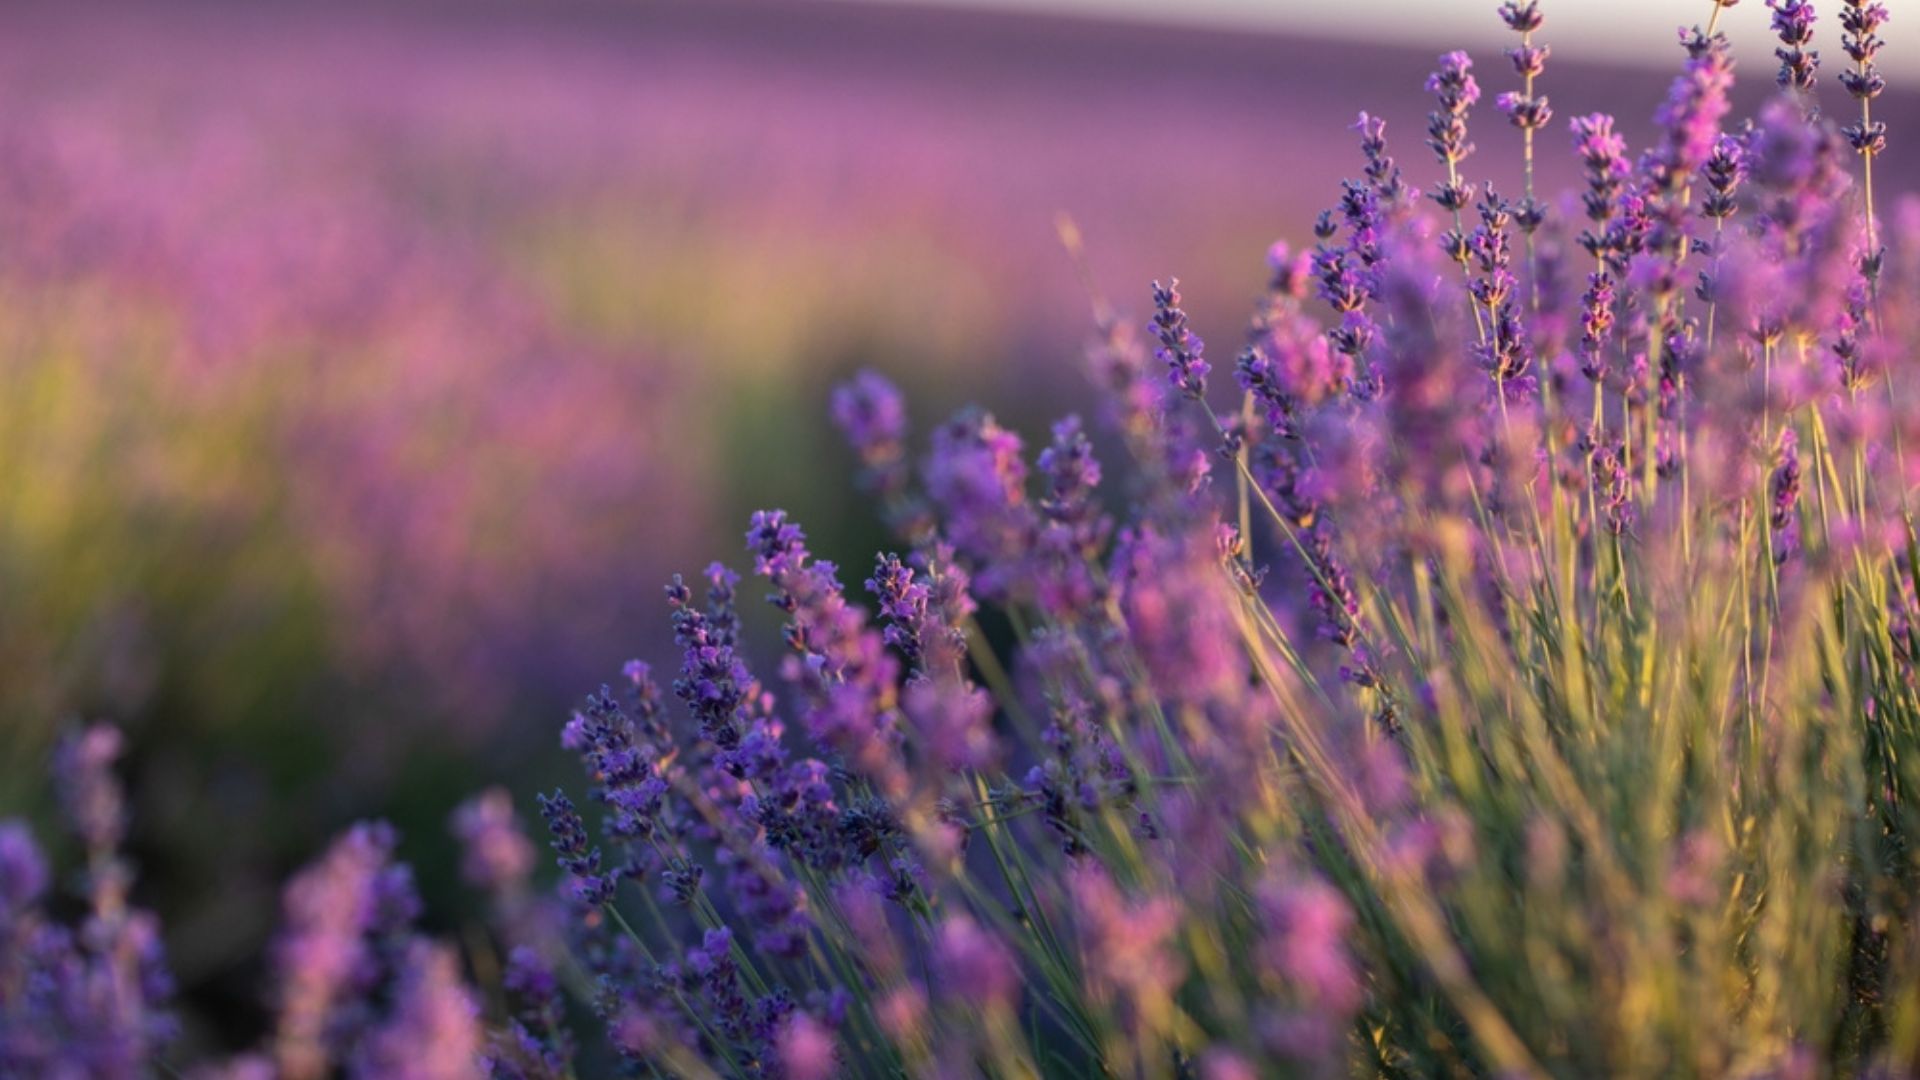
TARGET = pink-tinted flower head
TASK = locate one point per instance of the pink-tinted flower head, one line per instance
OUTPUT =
(806, 1048)
(1307, 921)
(89, 793)
(953, 722)
(977, 477)
(326, 958)
(497, 856)
(872, 414)
(973, 966)
(1127, 942)
(23, 871)
(433, 1032)
(1695, 105)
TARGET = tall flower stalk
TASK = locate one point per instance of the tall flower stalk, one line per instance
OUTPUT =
(1528, 112)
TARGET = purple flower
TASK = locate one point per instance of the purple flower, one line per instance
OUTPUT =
(1349, 276)
(1522, 16)
(1289, 268)
(1178, 612)
(576, 854)
(1126, 943)
(1304, 948)
(1528, 112)
(1072, 476)
(714, 683)
(1453, 84)
(1454, 87)
(1342, 284)
(802, 815)
(1725, 168)
(433, 1032)
(1695, 105)
(1074, 529)
(872, 415)
(91, 797)
(973, 967)
(952, 721)
(1793, 23)
(1506, 352)
(23, 872)
(536, 1044)
(1525, 109)
(1852, 346)
(1382, 174)
(903, 604)
(1785, 486)
(1614, 485)
(718, 975)
(497, 857)
(977, 477)
(1860, 21)
(1603, 155)
(1306, 922)
(92, 1000)
(1330, 594)
(1271, 386)
(1596, 324)
(840, 665)
(85, 1003)
(1180, 348)
(806, 1049)
(340, 914)
(619, 746)
(925, 605)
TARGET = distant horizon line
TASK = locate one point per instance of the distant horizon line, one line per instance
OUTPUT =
(1591, 32)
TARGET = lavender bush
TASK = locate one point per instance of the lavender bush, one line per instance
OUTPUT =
(1518, 678)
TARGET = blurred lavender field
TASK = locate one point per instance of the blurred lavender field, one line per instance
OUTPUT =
(368, 369)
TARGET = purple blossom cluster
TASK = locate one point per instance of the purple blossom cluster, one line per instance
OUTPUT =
(89, 999)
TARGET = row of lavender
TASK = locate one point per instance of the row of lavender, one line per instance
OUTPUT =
(227, 338)
(1517, 678)
(338, 413)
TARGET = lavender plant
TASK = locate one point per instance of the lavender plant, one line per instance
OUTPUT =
(1519, 680)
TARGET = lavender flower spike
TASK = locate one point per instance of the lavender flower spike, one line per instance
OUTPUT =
(1793, 22)
(1180, 348)
(496, 854)
(576, 855)
(325, 956)
(1695, 105)
(1526, 110)
(434, 1032)
(23, 872)
(1453, 84)
(1860, 21)
(83, 770)
(871, 413)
